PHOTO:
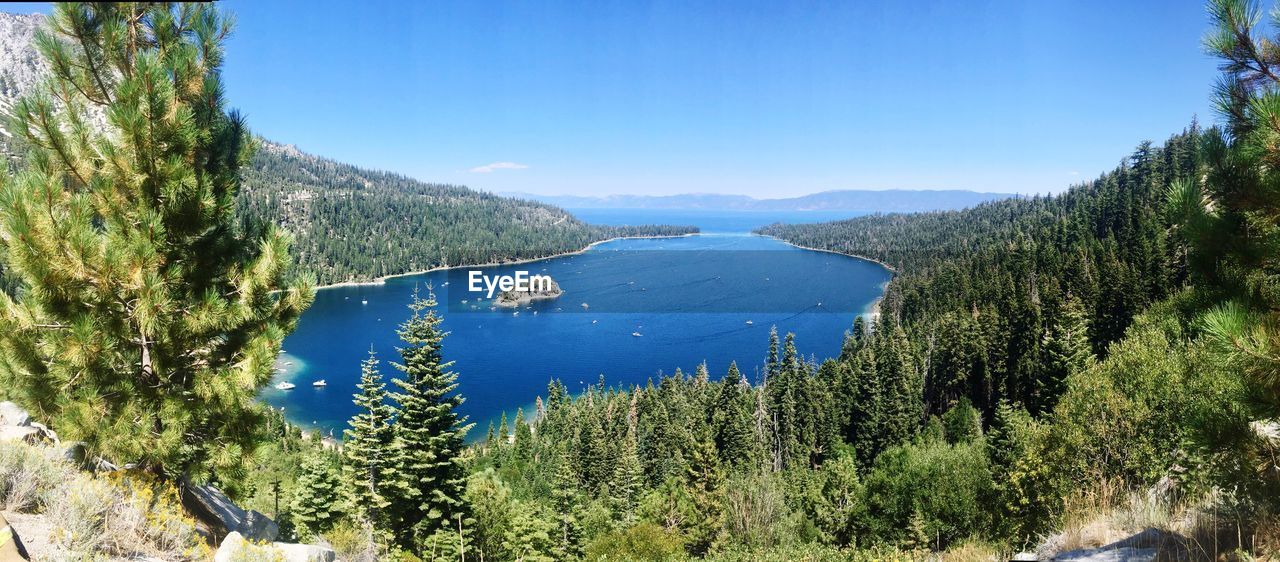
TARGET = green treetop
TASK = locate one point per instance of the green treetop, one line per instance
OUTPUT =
(144, 321)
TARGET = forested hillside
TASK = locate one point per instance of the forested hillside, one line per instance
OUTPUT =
(352, 224)
(1001, 277)
(348, 223)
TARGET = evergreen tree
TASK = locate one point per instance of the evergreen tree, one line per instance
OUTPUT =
(1064, 351)
(731, 419)
(705, 482)
(368, 444)
(316, 497)
(146, 322)
(426, 473)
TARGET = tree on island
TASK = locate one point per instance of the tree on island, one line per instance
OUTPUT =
(144, 319)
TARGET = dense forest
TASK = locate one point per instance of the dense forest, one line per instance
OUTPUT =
(1041, 368)
(351, 224)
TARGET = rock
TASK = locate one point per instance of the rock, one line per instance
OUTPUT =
(25, 434)
(256, 524)
(224, 517)
(235, 547)
(1126, 554)
(48, 434)
(11, 548)
(305, 552)
(76, 454)
(11, 414)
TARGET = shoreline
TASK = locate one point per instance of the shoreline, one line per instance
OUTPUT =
(383, 280)
(874, 311)
(891, 269)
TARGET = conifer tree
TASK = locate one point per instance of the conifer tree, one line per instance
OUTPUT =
(427, 475)
(316, 498)
(1065, 350)
(731, 419)
(1230, 222)
(367, 445)
(145, 321)
(705, 482)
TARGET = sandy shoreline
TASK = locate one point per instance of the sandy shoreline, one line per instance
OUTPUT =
(382, 280)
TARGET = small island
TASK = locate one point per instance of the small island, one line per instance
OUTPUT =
(545, 288)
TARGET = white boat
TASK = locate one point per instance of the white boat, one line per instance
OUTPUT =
(516, 313)
(594, 321)
(286, 386)
(320, 383)
(364, 301)
(750, 322)
(636, 334)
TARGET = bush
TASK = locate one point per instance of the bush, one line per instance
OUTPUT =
(28, 474)
(122, 515)
(929, 491)
(640, 542)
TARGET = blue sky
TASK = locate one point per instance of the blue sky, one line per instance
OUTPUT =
(768, 99)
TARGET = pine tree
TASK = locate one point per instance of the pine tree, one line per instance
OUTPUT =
(427, 475)
(146, 321)
(705, 482)
(731, 419)
(367, 445)
(1065, 350)
(317, 496)
(1229, 223)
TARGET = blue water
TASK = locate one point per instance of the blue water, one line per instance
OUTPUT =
(690, 299)
(710, 221)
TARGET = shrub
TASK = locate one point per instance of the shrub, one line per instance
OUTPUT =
(28, 474)
(645, 542)
(930, 487)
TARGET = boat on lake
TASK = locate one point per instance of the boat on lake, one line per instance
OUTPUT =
(320, 383)
(286, 386)
(636, 334)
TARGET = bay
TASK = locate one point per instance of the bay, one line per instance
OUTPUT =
(656, 305)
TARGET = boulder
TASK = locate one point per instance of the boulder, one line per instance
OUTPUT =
(11, 414)
(11, 549)
(224, 517)
(305, 552)
(24, 433)
(235, 547)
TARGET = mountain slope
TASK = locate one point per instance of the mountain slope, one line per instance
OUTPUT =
(349, 223)
(889, 200)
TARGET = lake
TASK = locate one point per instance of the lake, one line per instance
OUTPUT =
(654, 305)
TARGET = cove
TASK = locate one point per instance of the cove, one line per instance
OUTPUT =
(657, 305)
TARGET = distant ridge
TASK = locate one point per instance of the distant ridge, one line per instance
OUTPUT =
(889, 200)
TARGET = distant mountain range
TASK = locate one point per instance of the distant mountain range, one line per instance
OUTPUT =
(889, 200)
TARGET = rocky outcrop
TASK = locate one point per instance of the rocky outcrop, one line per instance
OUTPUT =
(11, 548)
(236, 547)
(16, 425)
(224, 517)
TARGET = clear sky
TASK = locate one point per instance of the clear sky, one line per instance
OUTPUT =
(768, 99)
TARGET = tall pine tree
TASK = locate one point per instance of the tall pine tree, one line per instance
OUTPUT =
(146, 321)
(367, 445)
(427, 475)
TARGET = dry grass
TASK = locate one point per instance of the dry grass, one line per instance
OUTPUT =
(91, 517)
(1202, 529)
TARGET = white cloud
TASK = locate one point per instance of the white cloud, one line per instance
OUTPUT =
(497, 166)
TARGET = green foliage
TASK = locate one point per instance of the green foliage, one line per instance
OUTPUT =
(354, 224)
(367, 446)
(315, 507)
(425, 477)
(962, 423)
(942, 487)
(642, 542)
(145, 321)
